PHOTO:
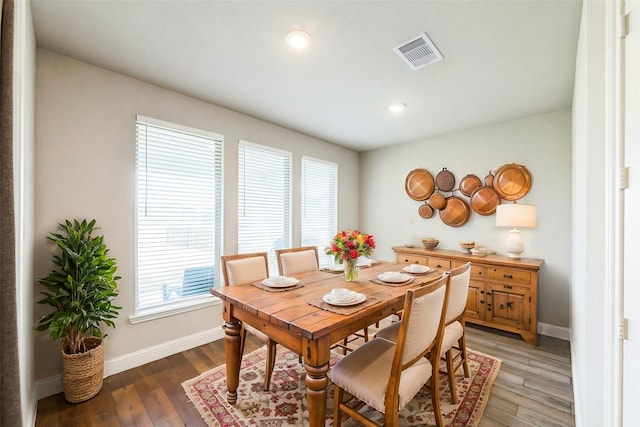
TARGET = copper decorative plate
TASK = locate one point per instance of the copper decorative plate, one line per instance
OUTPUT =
(456, 213)
(425, 211)
(469, 183)
(445, 180)
(512, 181)
(419, 184)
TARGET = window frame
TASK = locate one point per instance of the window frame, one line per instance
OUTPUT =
(167, 308)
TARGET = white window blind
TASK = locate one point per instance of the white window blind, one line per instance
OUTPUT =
(264, 200)
(319, 205)
(179, 211)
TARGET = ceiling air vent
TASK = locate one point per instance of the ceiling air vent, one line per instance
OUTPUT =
(419, 52)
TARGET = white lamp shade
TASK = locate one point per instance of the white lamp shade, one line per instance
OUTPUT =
(515, 215)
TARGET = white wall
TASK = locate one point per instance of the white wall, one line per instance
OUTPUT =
(85, 163)
(23, 133)
(542, 143)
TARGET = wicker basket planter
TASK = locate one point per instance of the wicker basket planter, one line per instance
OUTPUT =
(82, 373)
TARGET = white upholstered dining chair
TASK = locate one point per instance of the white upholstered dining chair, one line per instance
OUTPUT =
(297, 260)
(454, 346)
(386, 375)
(249, 268)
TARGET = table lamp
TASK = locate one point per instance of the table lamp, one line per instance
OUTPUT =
(515, 215)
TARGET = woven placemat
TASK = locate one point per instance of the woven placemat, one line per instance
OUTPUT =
(318, 302)
(382, 282)
(270, 289)
(328, 270)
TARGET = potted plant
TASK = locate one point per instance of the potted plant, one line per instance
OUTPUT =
(81, 289)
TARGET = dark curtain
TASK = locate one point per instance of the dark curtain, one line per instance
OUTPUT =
(10, 413)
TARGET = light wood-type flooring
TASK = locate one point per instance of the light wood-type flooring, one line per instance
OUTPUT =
(533, 387)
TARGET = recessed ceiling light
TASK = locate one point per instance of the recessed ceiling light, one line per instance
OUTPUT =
(298, 39)
(396, 108)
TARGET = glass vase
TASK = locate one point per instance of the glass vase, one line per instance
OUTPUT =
(351, 269)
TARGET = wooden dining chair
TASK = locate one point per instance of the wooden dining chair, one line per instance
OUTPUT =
(249, 268)
(454, 346)
(386, 375)
(454, 339)
(297, 260)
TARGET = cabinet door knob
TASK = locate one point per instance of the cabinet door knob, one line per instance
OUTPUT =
(508, 276)
(508, 287)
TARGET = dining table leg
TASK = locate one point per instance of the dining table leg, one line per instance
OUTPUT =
(232, 341)
(316, 363)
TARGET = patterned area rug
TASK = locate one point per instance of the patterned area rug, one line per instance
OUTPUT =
(286, 403)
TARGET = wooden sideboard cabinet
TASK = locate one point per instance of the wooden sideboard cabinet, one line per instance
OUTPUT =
(503, 292)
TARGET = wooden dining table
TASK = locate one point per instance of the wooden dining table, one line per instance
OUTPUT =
(299, 320)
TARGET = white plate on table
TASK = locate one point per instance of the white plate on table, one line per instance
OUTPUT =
(393, 277)
(356, 300)
(280, 282)
(416, 269)
(336, 267)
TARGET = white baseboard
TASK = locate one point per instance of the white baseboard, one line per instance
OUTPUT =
(53, 385)
(554, 331)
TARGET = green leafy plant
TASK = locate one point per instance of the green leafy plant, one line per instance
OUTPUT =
(81, 287)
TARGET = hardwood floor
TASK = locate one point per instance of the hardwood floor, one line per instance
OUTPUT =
(533, 387)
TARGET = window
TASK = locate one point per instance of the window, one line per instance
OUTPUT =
(319, 202)
(178, 212)
(264, 200)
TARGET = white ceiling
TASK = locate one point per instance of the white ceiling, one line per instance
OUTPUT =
(502, 59)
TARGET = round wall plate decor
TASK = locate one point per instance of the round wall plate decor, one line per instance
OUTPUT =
(445, 180)
(512, 181)
(425, 211)
(456, 213)
(419, 184)
(469, 183)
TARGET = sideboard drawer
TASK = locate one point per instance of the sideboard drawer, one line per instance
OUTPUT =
(440, 263)
(412, 259)
(478, 272)
(517, 276)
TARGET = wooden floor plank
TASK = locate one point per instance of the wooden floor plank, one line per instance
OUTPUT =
(199, 360)
(160, 409)
(503, 418)
(543, 419)
(504, 405)
(48, 408)
(131, 411)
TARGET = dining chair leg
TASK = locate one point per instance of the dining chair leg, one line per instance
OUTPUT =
(435, 398)
(338, 395)
(270, 363)
(451, 374)
(462, 344)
